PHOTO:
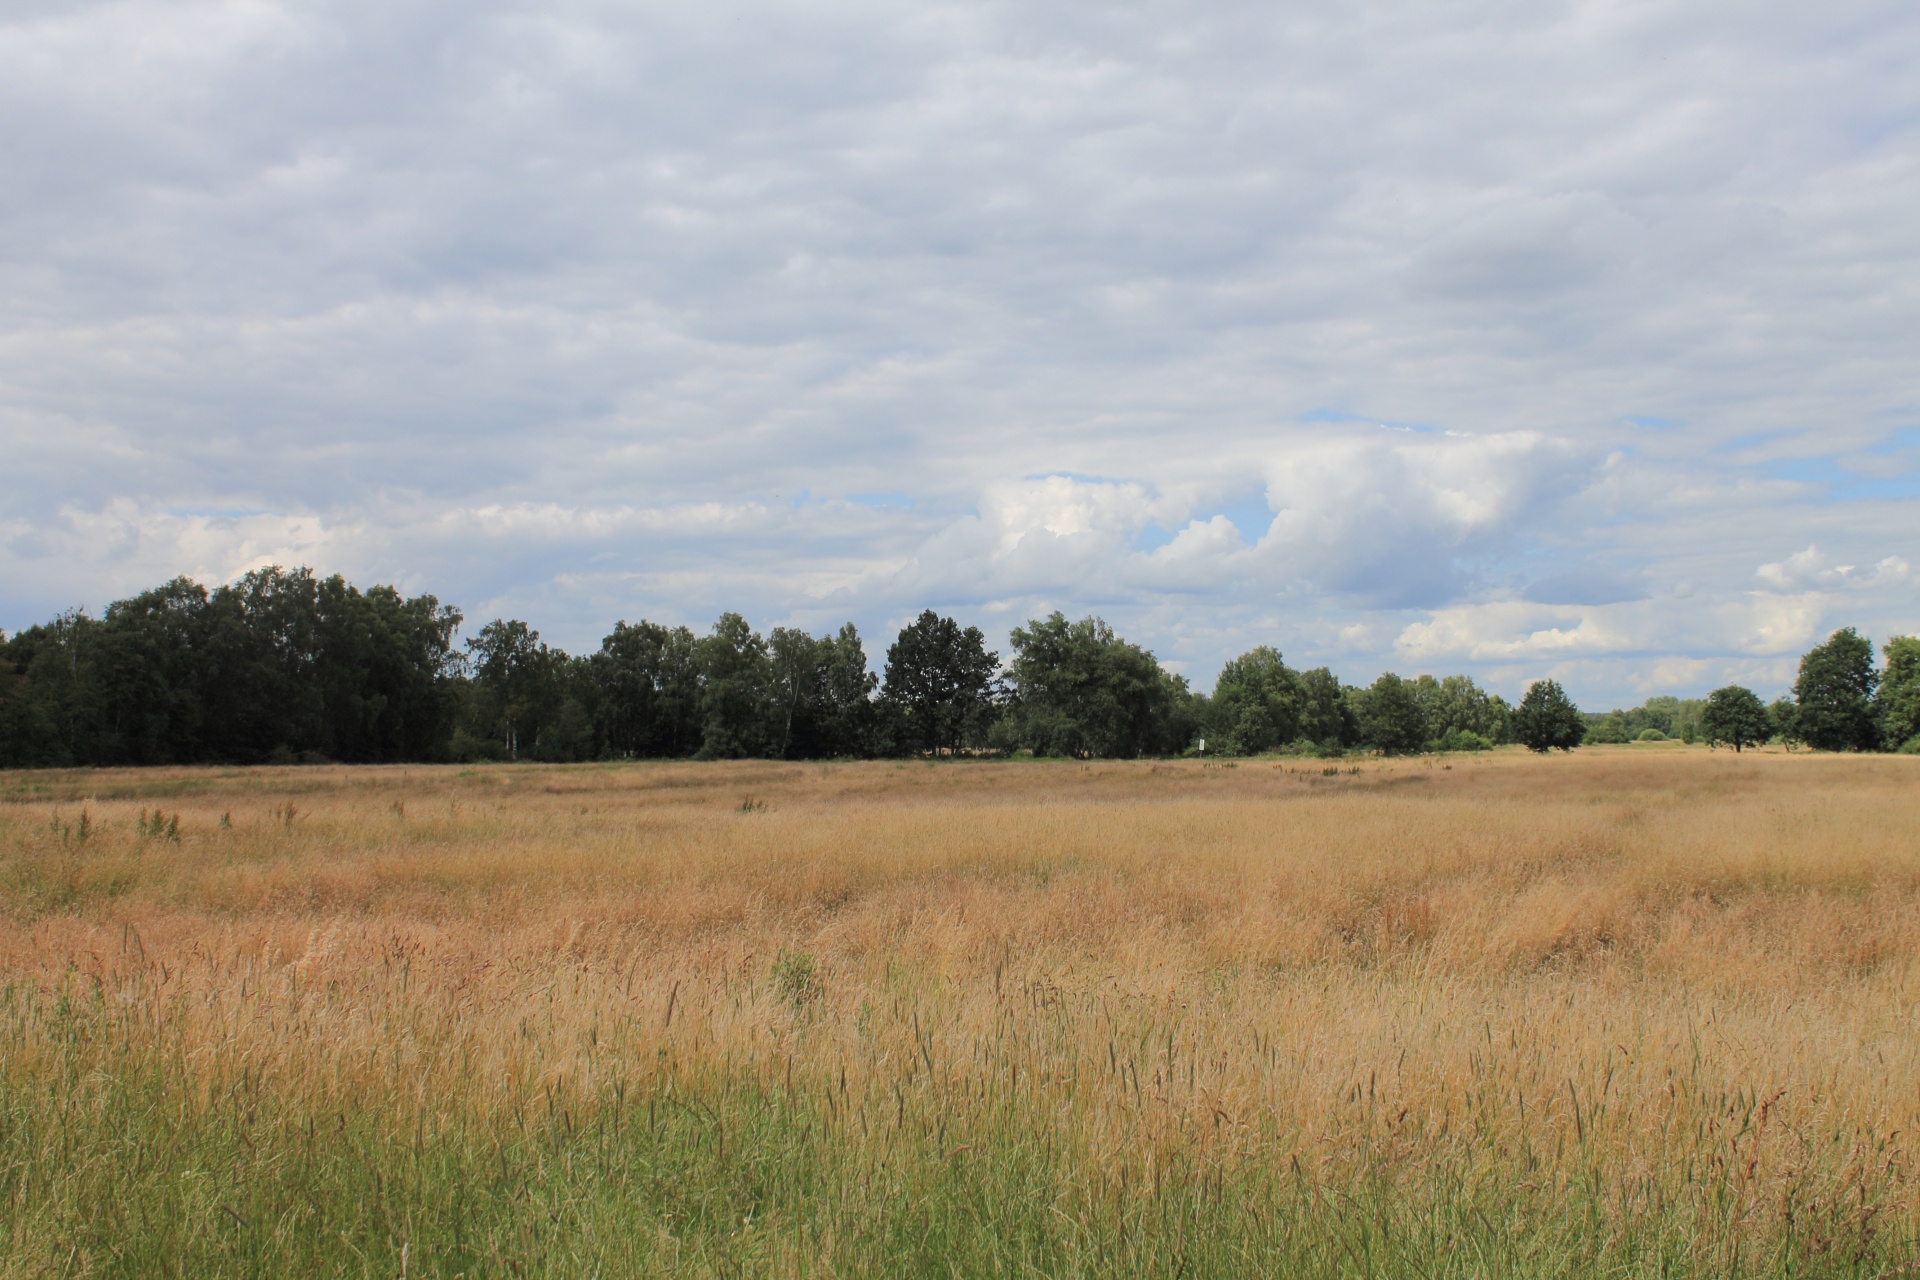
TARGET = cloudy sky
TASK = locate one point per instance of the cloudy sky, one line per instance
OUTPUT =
(1509, 338)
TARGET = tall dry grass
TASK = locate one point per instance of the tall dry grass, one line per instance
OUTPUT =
(1647, 1011)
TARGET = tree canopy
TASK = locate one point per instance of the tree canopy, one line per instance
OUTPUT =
(282, 666)
(1736, 717)
(1834, 694)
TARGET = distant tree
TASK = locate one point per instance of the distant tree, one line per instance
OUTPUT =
(939, 683)
(1834, 694)
(1077, 689)
(646, 691)
(1897, 704)
(1255, 705)
(1782, 716)
(1546, 719)
(513, 682)
(1326, 716)
(846, 724)
(1611, 728)
(1455, 704)
(1736, 716)
(739, 703)
(1390, 717)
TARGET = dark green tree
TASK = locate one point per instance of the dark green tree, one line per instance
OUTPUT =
(939, 684)
(1077, 689)
(513, 683)
(1390, 717)
(1327, 716)
(1897, 704)
(1782, 716)
(1736, 716)
(1546, 719)
(846, 722)
(1255, 705)
(646, 691)
(739, 705)
(1834, 694)
(1455, 705)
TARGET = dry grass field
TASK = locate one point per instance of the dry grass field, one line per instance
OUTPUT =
(1642, 1011)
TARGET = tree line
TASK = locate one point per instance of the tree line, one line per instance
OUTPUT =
(285, 666)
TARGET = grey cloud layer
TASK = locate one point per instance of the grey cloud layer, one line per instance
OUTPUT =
(590, 311)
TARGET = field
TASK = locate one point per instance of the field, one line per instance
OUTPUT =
(1640, 1011)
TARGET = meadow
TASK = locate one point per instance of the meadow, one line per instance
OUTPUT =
(1641, 1011)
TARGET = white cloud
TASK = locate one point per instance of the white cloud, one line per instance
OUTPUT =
(593, 312)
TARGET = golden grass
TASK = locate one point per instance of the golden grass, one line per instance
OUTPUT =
(1656, 981)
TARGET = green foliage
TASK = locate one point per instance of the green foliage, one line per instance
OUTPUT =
(1391, 719)
(1834, 694)
(796, 977)
(1650, 735)
(1077, 689)
(939, 684)
(645, 691)
(739, 708)
(1454, 704)
(1462, 740)
(1897, 703)
(1783, 717)
(1547, 720)
(1256, 704)
(1736, 716)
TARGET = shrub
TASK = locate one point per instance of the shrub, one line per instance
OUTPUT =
(1463, 740)
(1651, 735)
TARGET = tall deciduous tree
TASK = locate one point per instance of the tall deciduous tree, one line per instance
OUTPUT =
(738, 706)
(1833, 697)
(1897, 704)
(1255, 705)
(1080, 690)
(939, 683)
(1390, 716)
(1547, 720)
(1736, 716)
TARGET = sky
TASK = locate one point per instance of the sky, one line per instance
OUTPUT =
(1512, 339)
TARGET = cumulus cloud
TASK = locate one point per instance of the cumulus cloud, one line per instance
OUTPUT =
(1313, 325)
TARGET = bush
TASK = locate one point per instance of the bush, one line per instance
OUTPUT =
(1463, 740)
(1911, 747)
(1651, 735)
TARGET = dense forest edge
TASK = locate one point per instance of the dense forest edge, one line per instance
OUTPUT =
(283, 666)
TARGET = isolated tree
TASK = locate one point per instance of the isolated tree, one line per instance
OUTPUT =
(1897, 704)
(939, 683)
(1834, 694)
(1546, 719)
(1391, 718)
(1736, 716)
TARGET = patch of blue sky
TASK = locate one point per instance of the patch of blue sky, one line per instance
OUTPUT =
(1251, 517)
(1152, 538)
(1838, 483)
(881, 499)
(1078, 477)
(1650, 420)
(1899, 442)
(1341, 417)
